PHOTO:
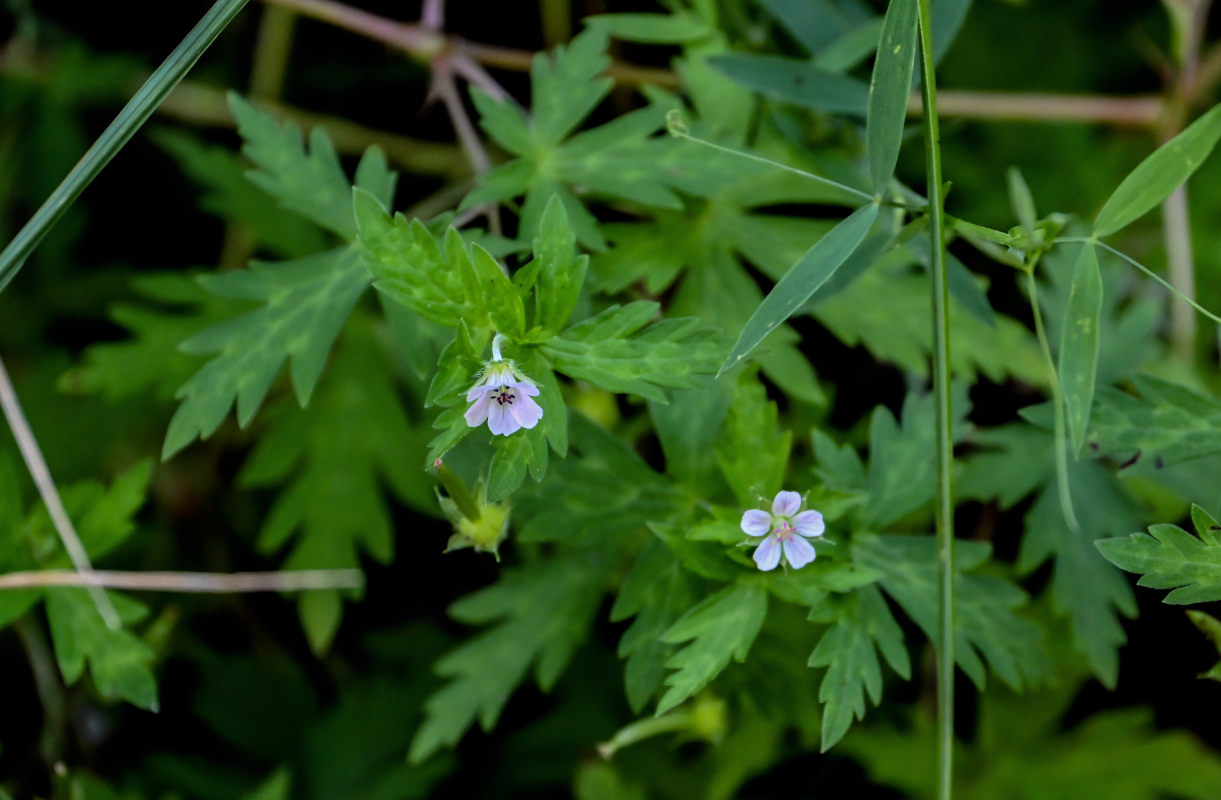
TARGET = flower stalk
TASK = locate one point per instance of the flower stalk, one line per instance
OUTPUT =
(942, 401)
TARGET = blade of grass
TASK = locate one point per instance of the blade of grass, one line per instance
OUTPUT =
(117, 134)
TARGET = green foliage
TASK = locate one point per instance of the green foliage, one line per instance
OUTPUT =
(987, 625)
(1169, 557)
(543, 613)
(753, 454)
(720, 628)
(119, 663)
(1169, 423)
(1160, 174)
(1079, 344)
(849, 650)
(304, 304)
(889, 90)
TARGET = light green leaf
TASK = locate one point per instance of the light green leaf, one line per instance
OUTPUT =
(309, 183)
(720, 628)
(118, 661)
(849, 651)
(305, 303)
(752, 450)
(804, 279)
(1079, 344)
(1160, 174)
(543, 612)
(1169, 557)
(794, 81)
(616, 351)
(276, 787)
(1170, 423)
(889, 91)
(561, 272)
(565, 85)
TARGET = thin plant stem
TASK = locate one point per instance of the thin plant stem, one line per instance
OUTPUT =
(190, 582)
(1169, 286)
(944, 412)
(761, 160)
(37, 466)
(134, 114)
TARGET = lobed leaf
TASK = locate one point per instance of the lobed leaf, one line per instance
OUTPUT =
(1168, 557)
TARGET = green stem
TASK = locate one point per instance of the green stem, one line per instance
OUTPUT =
(129, 120)
(1169, 286)
(941, 396)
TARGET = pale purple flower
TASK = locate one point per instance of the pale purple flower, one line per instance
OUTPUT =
(787, 528)
(503, 397)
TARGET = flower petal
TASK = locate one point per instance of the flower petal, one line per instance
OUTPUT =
(478, 412)
(526, 387)
(798, 551)
(786, 504)
(526, 413)
(809, 523)
(500, 421)
(756, 522)
(767, 554)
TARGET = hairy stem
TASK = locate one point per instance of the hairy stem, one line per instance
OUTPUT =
(942, 400)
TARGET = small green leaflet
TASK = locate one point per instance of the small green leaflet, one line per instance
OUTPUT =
(614, 350)
(305, 303)
(889, 90)
(542, 612)
(752, 450)
(849, 651)
(720, 628)
(311, 184)
(1079, 344)
(804, 279)
(1160, 174)
(679, 28)
(561, 272)
(1169, 557)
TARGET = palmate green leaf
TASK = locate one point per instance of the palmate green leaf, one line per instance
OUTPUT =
(305, 303)
(1160, 174)
(118, 661)
(1079, 344)
(616, 351)
(333, 458)
(849, 650)
(576, 507)
(149, 363)
(312, 183)
(752, 451)
(1169, 557)
(986, 623)
(1168, 424)
(889, 91)
(656, 592)
(720, 628)
(543, 612)
(791, 80)
(561, 272)
(797, 286)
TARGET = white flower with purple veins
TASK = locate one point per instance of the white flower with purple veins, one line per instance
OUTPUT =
(787, 528)
(503, 397)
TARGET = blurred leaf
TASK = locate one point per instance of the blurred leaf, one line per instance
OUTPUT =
(986, 623)
(1160, 174)
(1210, 626)
(889, 90)
(687, 426)
(677, 28)
(601, 782)
(276, 787)
(1169, 557)
(791, 80)
(118, 661)
(543, 612)
(797, 286)
(721, 627)
(305, 303)
(849, 651)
